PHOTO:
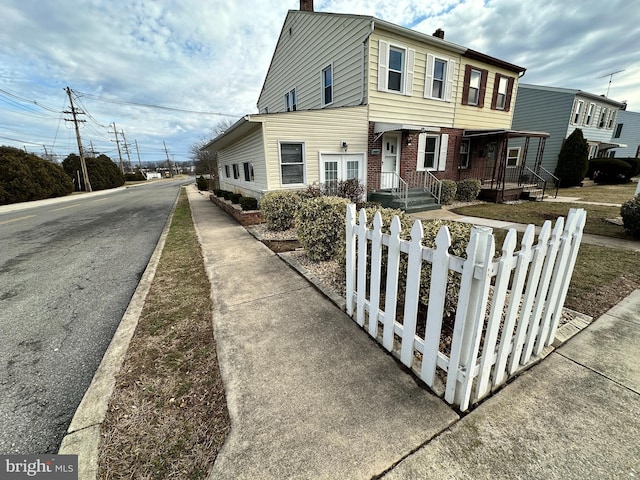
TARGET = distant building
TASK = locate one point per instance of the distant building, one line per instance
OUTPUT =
(627, 133)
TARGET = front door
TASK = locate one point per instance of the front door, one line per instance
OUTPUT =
(341, 166)
(390, 161)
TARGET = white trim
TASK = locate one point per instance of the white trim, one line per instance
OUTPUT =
(517, 157)
(577, 112)
(447, 81)
(422, 143)
(304, 164)
(444, 146)
(342, 164)
(408, 71)
(383, 65)
(323, 87)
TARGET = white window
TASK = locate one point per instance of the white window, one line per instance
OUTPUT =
(327, 85)
(474, 87)
(501, 100)
(618, 130)
(513, 157)
(593, 151)
(439, 78)
(291, 100)
(248, 172)
(395, 68)
(465, 150)
(335, 167)
(432, 151)
(236, 171)
(292, 163)
(577, 111)
(226, 171)
(612, 117)
(603, 118)
(592, 107)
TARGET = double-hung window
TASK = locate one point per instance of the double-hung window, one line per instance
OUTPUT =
(292, 163)
(432, 151)
(603, 118)
(577, 111)
(475, 84)
(226, 171)
(439, 78)
(236, 171)
(612, 118)
(291, 100)
(618, 131)
(395, 68)
(327, 85)
(248, 172)
(513, 157)
(589, 117)
(465, 151)
(502, 89)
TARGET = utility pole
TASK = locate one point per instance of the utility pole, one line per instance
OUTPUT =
(126, 149)
(168, 161)
(83, 163)
(138, 150)
(115, 131)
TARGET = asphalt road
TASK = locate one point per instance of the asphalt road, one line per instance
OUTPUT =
(67, 273)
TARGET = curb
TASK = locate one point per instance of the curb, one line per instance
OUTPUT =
(83, 434)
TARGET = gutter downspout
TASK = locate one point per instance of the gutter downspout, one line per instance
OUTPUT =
(363, 64)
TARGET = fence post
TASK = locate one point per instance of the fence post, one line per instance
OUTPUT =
(469, 316)
(412, 294)
(391, 296)
(350, 266)
(374, 284)
(361, 279)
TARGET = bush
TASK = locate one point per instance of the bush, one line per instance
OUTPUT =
(202, 183)
(227, 194)
(279, 209)
(635, 165)
(136, 176)
(467, 190)
(235, 198)
(103, 173)
(630, 212)
(312, 191)
(610, 170)
(573, 160)
(350, 189)
(448, 192)
(320, 225)
(217, 192)
(248, 203)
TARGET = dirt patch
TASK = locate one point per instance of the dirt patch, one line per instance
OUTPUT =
(279, 246)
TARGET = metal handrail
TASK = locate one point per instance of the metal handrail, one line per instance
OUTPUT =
(556, 180)
(540, 179)
(399, 188)
(433, 185)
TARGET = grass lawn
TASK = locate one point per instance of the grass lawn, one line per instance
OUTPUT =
(167, 417)
(601, 193)
(538, 212)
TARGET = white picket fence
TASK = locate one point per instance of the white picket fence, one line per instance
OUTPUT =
(507, 311)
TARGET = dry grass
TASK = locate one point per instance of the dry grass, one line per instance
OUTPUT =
(167, 417)
(601, 193)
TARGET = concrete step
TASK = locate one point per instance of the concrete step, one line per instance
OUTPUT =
(417, 201)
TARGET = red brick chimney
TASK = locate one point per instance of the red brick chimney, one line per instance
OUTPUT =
(439, 33)
(306, 5)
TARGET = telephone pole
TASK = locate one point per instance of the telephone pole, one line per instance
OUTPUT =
(115, 131)
(168, 161)
(83, 164)
(138, 151)
(126, 149)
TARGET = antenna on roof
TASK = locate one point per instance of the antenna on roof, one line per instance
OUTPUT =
(610, 75)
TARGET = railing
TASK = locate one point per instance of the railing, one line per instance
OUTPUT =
(551, 176)
(427, 181)
(506, 310)
(540, 182)
(392, 182)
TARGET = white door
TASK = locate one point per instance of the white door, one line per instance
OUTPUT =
(341, 166)
(390, 160)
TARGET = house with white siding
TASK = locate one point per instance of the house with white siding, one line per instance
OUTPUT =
(627, 134)
(353, 96)
(559, 111)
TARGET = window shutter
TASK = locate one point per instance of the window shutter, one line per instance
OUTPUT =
(507, 106)
(442, 157)
(421, 145)
(483, 87)
(411, 60)
(465, 88)
(383, 64)
(448, 89)
(496, 87)
(428, 81)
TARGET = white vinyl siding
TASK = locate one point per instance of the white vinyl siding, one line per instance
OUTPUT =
(432, 151)
(251, 150)
(396, 66)
(439, 78)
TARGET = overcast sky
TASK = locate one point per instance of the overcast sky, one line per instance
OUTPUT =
(211, 56)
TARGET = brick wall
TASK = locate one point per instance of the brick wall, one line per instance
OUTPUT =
(253, 217)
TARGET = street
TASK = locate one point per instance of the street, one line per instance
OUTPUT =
(67, 272)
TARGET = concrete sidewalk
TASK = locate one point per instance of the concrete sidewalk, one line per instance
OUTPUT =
(312, 396)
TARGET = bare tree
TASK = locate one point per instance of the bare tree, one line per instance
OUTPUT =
(206, 161)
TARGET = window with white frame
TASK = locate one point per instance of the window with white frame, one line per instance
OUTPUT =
(291, 100)
(395, 68)
(236, 171)
(432, 151)
(465, 151)
(577, 111)
(248, 172)
(593, 151)
(226, 171)
(439, 78)
(327, 85)
(589, 117)
(513, 157)
(618, 130)
(612, 118)
(292, 163)
(603, 118)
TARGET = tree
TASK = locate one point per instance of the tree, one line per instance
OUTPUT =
(206, 161)
(573, 160)
(102, 171)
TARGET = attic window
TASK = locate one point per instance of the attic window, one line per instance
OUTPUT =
(290, 31)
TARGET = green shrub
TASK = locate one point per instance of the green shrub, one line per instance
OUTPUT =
(610, 170)
(279, 209)
(202, 183)
(320, 224)
(312, 191)
(248, 203)
(635, 164)
(468, 189)
(227, 194)
(235, 198)
(350, 189)
(630, 212)
(103, 173)
(448, 192)
(136, 176)
(573, 159)
(217, 192)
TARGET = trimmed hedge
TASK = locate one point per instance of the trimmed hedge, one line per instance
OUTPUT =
(610, 170)
(279, 209)
(235, 198)
(448, 192)
(248, 203)
(202, 183)
(320, 224)
(630, 212)
(468, 189)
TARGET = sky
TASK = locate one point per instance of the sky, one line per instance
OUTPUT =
(166, 72)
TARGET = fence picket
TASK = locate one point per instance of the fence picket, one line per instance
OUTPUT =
(350, 256)
(391, 295)
(374, 286)
(412, 294)
(503, 275)
(361, 283)
(435, 311)
(533, 280)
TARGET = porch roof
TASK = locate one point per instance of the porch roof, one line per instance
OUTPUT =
(503, 131)
(234, 133)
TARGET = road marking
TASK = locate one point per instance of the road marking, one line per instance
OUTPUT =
(99, 200)
(65, 208)
(17, 219)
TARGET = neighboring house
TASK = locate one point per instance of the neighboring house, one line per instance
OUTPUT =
(627, 132)
(559, 111)
(351, 96)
